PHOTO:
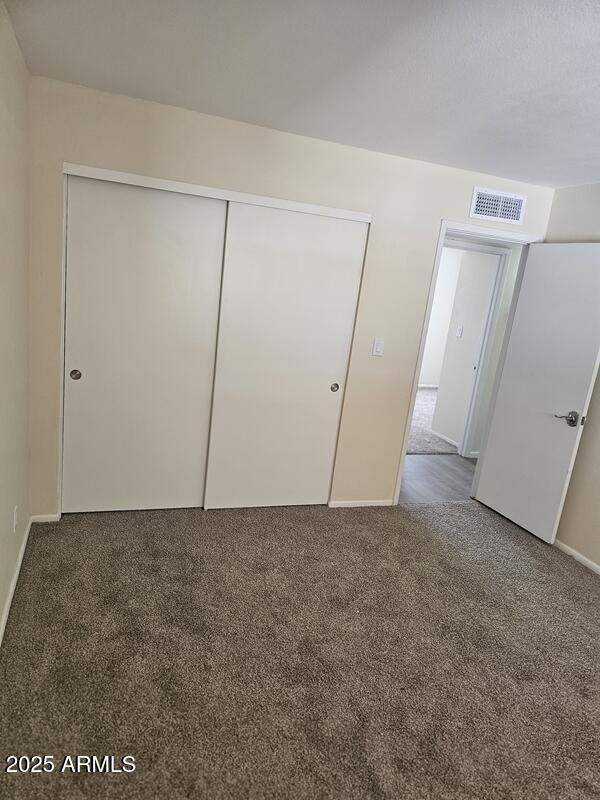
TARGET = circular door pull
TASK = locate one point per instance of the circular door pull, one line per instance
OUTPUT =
(334, 387)
(75, 374)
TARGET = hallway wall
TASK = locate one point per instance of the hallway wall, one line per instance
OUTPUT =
(439, 320)
(14, 446)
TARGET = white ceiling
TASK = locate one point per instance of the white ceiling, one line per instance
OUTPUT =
(509, 87)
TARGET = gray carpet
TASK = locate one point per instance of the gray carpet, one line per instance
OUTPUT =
(414, 653)
(422, 440)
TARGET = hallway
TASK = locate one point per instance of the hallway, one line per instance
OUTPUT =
(437, 479)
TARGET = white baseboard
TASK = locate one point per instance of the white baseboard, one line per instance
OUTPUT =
(570, 551)
(45, 518)
(358, 503)
(13, 583)
(428, 386)
(445, 438)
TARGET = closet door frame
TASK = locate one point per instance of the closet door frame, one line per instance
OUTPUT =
(98, 173)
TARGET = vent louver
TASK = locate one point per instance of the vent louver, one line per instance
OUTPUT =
(501, 206)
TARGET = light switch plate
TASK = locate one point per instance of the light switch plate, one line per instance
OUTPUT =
(378, 345)
(459, 331)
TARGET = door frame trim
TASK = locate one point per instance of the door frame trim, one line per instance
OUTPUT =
(467, 231)
(181, 187)
(63, 327)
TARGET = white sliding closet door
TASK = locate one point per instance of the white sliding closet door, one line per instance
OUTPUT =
(290, 288)
(142, 299)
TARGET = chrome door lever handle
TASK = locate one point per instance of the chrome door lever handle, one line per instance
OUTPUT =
(572, 418)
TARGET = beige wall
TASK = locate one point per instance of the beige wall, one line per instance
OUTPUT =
(407, 199)
(13, 306)
(439, 319)
(576, 218)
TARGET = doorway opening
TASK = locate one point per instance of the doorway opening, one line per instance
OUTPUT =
(461, 351)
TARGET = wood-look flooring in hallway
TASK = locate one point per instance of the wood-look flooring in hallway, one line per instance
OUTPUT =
(437, 478)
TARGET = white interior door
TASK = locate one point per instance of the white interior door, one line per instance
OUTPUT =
(462, 355)
(142, 299)
(550, 368)
(290, 287)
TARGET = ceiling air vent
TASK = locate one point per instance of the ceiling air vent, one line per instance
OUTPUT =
(502, 206)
